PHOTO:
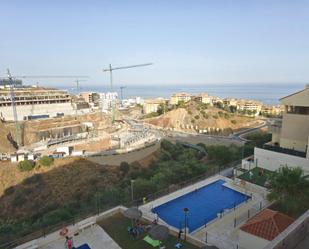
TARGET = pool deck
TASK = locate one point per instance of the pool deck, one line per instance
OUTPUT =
(84, 232)
(221, 231)
(94, 236)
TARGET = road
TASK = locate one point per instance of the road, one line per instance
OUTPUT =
(239, 135)
(173, 136)
(127, 157)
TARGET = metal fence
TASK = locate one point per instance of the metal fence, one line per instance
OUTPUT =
(220, 239)
(284, 150)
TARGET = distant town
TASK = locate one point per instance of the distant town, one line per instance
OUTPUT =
(53, 122)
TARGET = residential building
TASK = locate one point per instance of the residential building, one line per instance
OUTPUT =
(290, 136)
(249, 107)
(262, 228)
(216, 100)
(151, 105)
(204, 98)
(90, 97)
(271, 110)
(230, 102)
(106, 99)
(177, 97)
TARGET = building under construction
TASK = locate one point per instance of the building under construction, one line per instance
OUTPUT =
(34, 101)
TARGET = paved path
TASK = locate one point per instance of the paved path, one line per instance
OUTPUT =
(127, 157)
(95, 237)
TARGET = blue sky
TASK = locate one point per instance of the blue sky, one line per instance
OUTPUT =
(189, 42)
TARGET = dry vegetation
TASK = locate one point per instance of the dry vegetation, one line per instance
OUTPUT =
(5, 145)
(199, 115)
(28, 193)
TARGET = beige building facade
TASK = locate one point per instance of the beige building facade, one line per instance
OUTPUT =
(152, 105)
(290, 136)
(177, 97)
(295, 122)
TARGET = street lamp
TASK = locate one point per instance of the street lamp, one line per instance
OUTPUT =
(186, 210)
(132, 194)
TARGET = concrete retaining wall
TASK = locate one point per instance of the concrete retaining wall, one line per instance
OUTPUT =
(25, 110)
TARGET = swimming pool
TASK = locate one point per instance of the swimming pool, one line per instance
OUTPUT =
(204, 204)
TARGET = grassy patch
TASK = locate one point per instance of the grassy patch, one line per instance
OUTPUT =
(116, 226)
(259, 177)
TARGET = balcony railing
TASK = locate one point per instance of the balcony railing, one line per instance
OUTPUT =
(284, 150)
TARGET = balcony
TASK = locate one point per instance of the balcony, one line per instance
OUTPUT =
(284, 150)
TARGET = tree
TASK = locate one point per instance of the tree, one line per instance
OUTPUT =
(161, 109)
(290, 189)
(232, 108)
(124, 167)
(219, 105)
(26, 165)
(46, 161)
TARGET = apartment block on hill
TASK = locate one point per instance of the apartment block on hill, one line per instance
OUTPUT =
(205, 98)
(152, 105)
(250, 106)
(177, 97)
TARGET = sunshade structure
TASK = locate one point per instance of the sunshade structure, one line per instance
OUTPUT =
(159, 232)
(133, 213)
(152, 242)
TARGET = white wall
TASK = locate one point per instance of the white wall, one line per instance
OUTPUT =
(26, 110)
(274, 160)
(249, 241)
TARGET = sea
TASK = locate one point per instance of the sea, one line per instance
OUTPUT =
(266, 93)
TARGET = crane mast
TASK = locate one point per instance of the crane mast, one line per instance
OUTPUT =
(110, 69)
(12, 93)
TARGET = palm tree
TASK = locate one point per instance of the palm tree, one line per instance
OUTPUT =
(290, 190)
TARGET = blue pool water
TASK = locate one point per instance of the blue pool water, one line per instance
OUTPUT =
(204, 204)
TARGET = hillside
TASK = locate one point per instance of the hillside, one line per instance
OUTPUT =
(46, 188)
(195, 116)
(5, 145)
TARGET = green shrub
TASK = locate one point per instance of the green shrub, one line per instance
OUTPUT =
(215, 116)
(196, 116)
(46, 161)
(9, 190)
(33, 179)
(26, 165)
(233, 121)
(124, 167)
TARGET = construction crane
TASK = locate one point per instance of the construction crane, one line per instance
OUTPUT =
(12, 93)
(78, 85)
(121, 92)
(110, 70)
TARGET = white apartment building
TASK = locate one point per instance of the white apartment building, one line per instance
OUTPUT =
(106, 99)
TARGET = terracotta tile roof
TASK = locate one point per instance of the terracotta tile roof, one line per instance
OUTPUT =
(267, 224)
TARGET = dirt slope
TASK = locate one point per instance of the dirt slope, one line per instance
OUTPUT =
(193, 116)
(5, 145)
(33, 192)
